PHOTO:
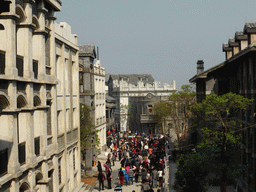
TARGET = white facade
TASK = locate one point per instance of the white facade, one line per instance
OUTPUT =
(124, 91)
(100, 102)
(39, 100)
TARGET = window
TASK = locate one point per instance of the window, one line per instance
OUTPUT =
(35, 68)
(59, 166)
(19, 65)
(37, 146)
(74, 159)
(49, 124)
(3, 161)
(2, 62)
(48, 70)
(22, 153)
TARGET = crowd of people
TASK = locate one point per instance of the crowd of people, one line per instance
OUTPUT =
(142, 159)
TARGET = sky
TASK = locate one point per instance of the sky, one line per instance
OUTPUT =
(164, 38)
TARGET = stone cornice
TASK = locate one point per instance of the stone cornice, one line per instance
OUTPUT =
(26, 25)
(40, 32)
(9, 16)
(42, 10)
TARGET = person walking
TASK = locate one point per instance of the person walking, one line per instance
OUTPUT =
(154, 178)
(130, 173)
(99, 166)
(109, 177)
(121, 176)
(126, 178)
(101, 178)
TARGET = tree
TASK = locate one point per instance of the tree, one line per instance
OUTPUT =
(221, 129)
(87, 128)
(178, 110)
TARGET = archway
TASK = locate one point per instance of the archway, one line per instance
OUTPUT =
(19, 11)
(4, 102)
(24, 187)
(35, 22)
(21, 101)
(37, 100)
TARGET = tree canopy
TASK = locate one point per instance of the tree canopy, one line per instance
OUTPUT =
(219, 144)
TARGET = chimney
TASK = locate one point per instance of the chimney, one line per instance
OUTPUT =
(234, 45)
(200, 66)
(242, 40)
(250, 30)
(98, 53)
(227, 49)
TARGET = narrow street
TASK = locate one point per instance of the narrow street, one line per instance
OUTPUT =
(115, 180)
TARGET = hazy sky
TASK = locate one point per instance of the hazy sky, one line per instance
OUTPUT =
(164, 38)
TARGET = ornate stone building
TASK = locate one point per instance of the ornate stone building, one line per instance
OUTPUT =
(92, 88)
(238, 75)
(39, 100)
(138, 92)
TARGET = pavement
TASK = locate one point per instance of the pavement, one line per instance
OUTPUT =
(129, 188)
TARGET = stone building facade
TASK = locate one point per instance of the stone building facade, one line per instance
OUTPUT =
(138, 92)
(39, 100)
(236, 74)
(92, 88)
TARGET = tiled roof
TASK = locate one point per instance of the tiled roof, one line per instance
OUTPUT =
(134, 78)
(250, 25)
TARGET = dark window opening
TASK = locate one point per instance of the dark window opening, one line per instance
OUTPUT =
(48, 70)
(49, 125)
(19, 65)
(22, 153)
(35, 68)
(3, 161)
(37, 146)
(2, 62)
(74, 160)
(59, 166)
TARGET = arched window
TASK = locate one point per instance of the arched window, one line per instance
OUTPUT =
(21, 101)
(24, 187)
(37, 101)
(4, 102)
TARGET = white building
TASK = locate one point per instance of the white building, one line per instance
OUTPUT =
(39, 100)
(138, 92)
(100, 96)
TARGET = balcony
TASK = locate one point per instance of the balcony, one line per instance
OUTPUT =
(145, 118)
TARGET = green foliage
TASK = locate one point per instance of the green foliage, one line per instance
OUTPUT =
(192, 174)
(218, 150)
(87, 128)
(177, 109)
(125, 111)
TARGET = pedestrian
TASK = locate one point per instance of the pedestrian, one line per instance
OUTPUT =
(106, 167)
(154, 178)
(151, 190)
(137, 172)
(101, 178)
(93, 158)
(109, 177)
(145, 187)
(130, 173)
(118, 187)
(99, 166)
(126, 178)
(160, 176)
(113, 159)
(121, 176)
(143, 176)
